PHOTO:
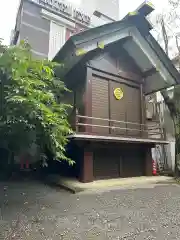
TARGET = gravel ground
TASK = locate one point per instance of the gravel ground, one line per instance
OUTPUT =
(31, 210)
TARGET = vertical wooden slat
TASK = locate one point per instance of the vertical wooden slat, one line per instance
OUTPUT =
(100, 104)
(106, 163)
(133, 110)
(144, 134)
(117, 109)
(133, 163)
(109, 105)
(88, 100)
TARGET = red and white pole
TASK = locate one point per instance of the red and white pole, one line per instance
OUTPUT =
(154, 168)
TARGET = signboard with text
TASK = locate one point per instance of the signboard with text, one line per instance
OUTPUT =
(66, 9)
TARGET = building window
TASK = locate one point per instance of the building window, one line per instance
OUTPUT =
(56, 39)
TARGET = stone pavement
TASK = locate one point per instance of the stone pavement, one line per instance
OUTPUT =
(31, 210)
(75, 186)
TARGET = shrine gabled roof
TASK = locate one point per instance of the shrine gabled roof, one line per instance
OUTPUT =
(156, 67)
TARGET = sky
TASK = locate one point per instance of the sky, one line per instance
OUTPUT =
(8, 11)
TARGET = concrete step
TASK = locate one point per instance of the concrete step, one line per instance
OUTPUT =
(75, 186)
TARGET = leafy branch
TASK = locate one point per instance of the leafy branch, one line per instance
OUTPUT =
(31, 103)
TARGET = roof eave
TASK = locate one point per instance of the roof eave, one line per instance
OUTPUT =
(164, 58)
(81, 44)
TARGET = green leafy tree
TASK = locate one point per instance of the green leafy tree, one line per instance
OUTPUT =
(30, 103)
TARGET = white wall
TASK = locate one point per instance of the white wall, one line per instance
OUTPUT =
(169, 128)
(56, 39)
(107, 7)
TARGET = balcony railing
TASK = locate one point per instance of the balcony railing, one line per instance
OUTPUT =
(102, 126)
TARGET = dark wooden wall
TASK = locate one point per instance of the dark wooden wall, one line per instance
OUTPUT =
(93, 82)
(110, 70)
(76, 82)
(115, 60)
(114, 161)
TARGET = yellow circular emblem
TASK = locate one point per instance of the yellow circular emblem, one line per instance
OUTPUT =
(118, 93)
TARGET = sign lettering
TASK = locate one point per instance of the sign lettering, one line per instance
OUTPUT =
(81, 16)
(67, 9)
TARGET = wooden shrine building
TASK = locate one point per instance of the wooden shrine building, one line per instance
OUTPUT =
(110, 69)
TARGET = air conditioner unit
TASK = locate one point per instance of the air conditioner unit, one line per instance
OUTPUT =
(149, 115)
(150, 110)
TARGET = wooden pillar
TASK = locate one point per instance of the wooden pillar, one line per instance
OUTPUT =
(143, 113)
(88, 100)
(149, 168)
(87, 167)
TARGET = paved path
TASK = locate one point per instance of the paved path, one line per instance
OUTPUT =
(33, 211)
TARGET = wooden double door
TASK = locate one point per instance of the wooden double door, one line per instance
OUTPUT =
(116, 163)
(127, 110)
